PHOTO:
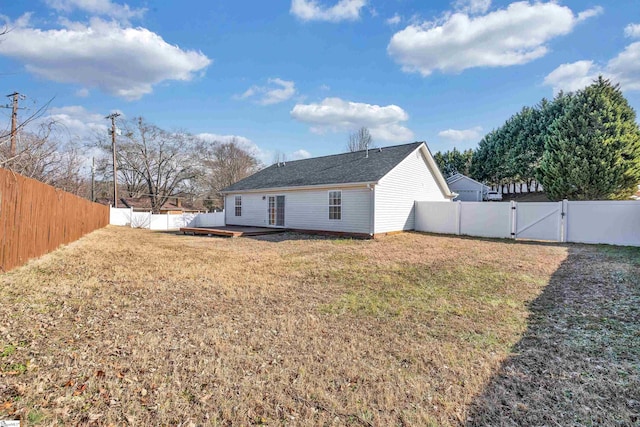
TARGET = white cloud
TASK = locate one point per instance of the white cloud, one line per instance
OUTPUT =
(82, 93)
(571, 77)
(278, 91)
(97, 8)
(337, 115)
(511, 36)
(623, 69)
(121, 61)
(632, 30)
(265, 156)
(245, 143)
(590, 13)
(311, 10)
(394, 20)
(461, 135)
(472, 6)
(73, 123)
(215, 137)
(300, 154)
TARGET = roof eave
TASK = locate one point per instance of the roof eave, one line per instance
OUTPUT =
(301, 187)
(435, 170)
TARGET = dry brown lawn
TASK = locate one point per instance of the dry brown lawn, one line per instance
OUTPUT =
(132, 327)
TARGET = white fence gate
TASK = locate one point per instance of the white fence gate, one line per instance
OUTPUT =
(538, 220)
(609, 222)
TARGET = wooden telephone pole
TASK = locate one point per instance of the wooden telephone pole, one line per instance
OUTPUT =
(113, 117)
(14, 121)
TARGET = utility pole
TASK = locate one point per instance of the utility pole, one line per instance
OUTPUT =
(14, 120)
(93, 179)
(113, 117)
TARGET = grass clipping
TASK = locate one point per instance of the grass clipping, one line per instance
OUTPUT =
(129, 326)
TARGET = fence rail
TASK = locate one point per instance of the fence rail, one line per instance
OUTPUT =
(128, 217)
(609, 222)
(36, 218)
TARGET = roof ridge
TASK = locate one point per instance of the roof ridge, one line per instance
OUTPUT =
(349, 152)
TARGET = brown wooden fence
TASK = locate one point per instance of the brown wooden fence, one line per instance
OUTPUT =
(36, 218)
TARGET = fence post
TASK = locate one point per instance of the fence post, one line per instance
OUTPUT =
(459, 217)
(131, 217)
(514, 219)
(564, 220)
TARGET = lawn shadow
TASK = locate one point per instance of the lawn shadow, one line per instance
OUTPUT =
(578, 363)
(294, 236)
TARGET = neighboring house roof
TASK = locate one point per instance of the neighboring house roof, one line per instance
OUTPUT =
(459, 177)
(344, 168)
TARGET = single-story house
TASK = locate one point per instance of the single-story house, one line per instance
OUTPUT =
(469, 190)
(364, 193)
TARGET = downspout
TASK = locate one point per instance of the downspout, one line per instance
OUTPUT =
(372, 209)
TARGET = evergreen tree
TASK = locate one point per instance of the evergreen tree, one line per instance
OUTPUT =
(592, 149)
(454, 161)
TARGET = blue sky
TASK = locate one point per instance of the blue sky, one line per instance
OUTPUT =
(298, 76)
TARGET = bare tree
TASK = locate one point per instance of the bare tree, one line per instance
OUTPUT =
(153, 162)
(360, 140)
(41, 156)
(224, 164)
(278, 157)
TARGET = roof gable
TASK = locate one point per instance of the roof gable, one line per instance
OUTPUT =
(343, 168)
(460, 177)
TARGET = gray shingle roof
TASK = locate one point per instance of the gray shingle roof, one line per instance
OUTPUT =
(336, 169)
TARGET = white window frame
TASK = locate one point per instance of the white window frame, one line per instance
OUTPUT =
(238, 205)
(339, 205)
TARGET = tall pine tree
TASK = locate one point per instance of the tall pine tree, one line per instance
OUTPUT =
(592, 150)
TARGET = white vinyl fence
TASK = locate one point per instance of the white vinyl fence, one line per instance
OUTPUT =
(609, 222)
(127, 217)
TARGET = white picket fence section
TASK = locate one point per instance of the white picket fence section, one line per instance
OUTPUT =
(127, 217)
(609, 222)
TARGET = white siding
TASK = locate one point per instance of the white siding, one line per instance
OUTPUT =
(254, 210)
(467, 189)
(307, 210)
(396, 194)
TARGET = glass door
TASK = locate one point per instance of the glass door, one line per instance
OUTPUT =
(275, 211)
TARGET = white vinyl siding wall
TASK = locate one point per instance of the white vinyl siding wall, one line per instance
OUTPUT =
(396, 194)
(308, 210)
(254, 210)
(468, 190)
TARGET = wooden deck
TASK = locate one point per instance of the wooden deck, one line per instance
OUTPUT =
(231, 231)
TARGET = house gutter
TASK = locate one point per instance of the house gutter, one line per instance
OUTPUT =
(302, 187)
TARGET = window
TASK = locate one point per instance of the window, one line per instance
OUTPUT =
(238, 205)
(335, 204)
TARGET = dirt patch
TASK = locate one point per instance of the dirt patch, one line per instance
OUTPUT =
(130, 326)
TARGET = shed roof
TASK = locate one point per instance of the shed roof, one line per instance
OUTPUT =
(343, 168)
(458, 176)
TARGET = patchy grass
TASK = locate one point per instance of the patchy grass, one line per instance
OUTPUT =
(128, 326)
(579, 361)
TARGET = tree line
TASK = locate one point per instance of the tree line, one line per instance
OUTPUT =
(152, 163)
(581, 146)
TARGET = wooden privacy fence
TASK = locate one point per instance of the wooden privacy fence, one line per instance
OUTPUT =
(36, 218)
